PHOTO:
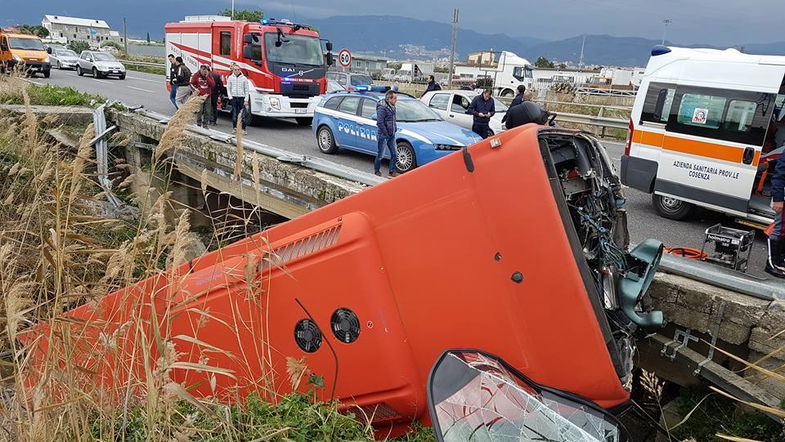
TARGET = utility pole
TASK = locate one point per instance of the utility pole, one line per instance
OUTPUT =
(583, 45)
(232, 9)
(125, 35)
(452, 49)
(667, 21)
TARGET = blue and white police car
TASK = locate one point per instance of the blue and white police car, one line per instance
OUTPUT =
(346, 120)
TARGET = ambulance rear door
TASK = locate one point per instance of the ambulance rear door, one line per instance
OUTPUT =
(712, 144)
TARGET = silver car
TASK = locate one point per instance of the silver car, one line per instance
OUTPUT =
(100, 65)
(64, 59)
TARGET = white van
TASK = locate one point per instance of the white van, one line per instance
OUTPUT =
(702, 132)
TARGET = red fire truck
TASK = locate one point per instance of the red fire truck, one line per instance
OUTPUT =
(285, 63)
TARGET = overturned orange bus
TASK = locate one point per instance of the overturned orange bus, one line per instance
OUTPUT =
(516, 245)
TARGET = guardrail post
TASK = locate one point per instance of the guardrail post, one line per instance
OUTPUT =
(600, 115)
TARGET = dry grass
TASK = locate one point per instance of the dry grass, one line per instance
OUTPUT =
(57, 252)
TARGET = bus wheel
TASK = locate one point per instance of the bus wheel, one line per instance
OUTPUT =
(671, 208)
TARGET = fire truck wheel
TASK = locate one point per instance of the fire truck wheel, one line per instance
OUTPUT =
(406, 160)
(304, 121)
(671, 208)
(326, 140)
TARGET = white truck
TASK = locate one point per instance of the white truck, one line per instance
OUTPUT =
(507, 74)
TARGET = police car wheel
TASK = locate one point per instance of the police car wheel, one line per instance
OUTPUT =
(326, 140)
(671, 208)
(405, 160)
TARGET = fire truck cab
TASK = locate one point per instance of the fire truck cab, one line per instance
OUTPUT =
(284, 62)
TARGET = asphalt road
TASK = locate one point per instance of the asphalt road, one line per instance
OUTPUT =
(149, 90)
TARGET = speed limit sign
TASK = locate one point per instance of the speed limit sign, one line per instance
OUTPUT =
(345, 58)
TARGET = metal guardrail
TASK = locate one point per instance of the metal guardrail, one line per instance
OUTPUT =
(605, 92)
(142, 64)
(602, 122)
(317, 164)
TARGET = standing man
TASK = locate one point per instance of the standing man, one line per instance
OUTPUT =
(432, 85)
(483, 108)
(520, 97)
(173, 80)
(776, 257)
(202, 83)
(386, 125)
(239, 96)
(218, 91)
(183, 80)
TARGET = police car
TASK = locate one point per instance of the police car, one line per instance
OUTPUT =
(347, 120)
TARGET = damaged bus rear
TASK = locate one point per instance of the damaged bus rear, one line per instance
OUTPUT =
(516, 246)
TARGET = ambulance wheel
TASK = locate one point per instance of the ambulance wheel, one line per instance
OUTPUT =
(671, 208)
(326, 140)
(304, 121)
(406, 159)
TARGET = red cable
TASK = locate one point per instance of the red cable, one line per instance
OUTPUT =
(687, 252)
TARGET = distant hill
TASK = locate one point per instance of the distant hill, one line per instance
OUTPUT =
(599, 49)
(392, 36)
(386, 34)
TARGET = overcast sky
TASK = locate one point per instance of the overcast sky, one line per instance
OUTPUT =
(716, 22)
(721, 22)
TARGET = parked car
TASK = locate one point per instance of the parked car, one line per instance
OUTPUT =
(63, 58)
(333, 86)
(100, 65)
(347, 120)
(350, 81)
(452, 106)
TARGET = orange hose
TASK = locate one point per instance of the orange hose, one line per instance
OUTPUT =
(687, 252)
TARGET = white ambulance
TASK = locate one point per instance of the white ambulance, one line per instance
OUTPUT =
(703, 132)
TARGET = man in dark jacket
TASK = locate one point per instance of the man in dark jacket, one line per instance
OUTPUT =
(525, 113)
(774, 263)
(173, 80)
(183, 81)
(516, 101)
(218, 91)
(386, 128)
(483, 108)
(432, 85)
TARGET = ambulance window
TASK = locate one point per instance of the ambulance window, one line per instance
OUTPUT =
(658, 103)
(701, 110)
(226, 43)
(349, 105)
(739, 116)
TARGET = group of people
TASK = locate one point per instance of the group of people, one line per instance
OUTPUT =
(207, 83)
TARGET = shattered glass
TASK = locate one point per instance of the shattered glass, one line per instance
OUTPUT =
(475, 398)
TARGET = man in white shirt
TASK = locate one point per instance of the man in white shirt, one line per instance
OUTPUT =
(239, 92)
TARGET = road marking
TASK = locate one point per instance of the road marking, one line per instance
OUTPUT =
(147, 80)
(140, 89)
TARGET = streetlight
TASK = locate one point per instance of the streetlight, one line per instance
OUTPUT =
(667, 21)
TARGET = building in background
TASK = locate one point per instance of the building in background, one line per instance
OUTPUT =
(64, 30)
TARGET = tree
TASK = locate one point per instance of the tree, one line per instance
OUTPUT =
(543, 62)
(40, 31)
(244, 15)
(394, 65)
(78, 46)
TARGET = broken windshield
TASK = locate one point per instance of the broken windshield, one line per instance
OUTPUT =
(475, 397)
(294, 49)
